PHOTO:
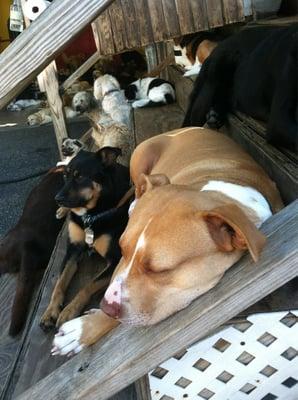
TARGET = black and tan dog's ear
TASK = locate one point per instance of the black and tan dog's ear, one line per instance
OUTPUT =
(148, 182)
(230, 229)
(109, 155)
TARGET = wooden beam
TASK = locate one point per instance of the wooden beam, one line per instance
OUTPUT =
(45, 38)
(81, 70)
(50, 83)
(129, 352)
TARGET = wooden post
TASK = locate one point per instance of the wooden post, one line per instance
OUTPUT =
(158, 52)
(51, 85)
(48, 82)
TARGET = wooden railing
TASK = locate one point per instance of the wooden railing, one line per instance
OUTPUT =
(38, 45)
(127, 353)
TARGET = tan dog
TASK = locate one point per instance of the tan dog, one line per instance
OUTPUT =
(200, 202)
(44, 116)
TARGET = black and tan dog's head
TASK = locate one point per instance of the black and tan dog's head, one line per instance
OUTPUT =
(90, 178)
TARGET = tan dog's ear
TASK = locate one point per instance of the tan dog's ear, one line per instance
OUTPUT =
(230, 229)
(148, 182)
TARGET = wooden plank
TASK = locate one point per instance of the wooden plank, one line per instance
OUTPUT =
(110, 366)
(171, 18)
(214, 12)
(145, 28)
(105, 33)
(233, 11)
(81, 70)
(142, 387)
(38, 45)
(132, 23)
(199, 11)
(158, 22)
(278, 166)
(153, 121)
(183, 86)
(51, 85)
(118, 25)
(185, 16)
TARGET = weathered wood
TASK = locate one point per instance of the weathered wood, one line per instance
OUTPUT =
(119, 29)
(105, 32)
(214, 12)
(158, 22)
(200, 20)
(183, 86)
(51, 85)
(81, 70)
(278, 166)
(132, 24)
(129, 352)
(233, 11)
(153, 121)
(142, 387)
(38, 45)
(171, 18)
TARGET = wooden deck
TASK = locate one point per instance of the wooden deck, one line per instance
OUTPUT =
(26, 360)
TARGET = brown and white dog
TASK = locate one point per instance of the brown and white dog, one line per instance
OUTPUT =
(192, 50)
(200, 202)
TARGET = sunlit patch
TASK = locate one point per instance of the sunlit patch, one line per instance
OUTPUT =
(8, 124)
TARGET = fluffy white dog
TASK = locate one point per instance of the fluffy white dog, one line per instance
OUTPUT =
(107, 91)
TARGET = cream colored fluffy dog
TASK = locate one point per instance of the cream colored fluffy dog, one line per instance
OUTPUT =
(44, 116)
(107, 91)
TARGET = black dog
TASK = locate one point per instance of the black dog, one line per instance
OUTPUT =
(94, 185)
(27, 247)
(254, 71)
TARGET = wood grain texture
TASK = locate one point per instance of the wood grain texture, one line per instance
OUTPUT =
(105, 33)
(233, 11)
(51, 85)
(133, 351)
(119, 29)
(214, 13)
(38, 45)
(171, 18)
(153, 121)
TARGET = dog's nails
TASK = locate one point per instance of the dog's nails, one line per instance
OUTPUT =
(54, 350)
(59, 333)
(72, 353)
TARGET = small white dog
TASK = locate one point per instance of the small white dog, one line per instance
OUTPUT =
(107, 91)
(44, 116)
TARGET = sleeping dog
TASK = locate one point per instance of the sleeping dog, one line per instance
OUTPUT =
(254, 71)
(150, 92)
(94, 185)
(26, 249)
(200, 203)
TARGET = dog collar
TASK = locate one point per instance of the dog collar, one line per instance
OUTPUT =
(89, 219)
(111, 91)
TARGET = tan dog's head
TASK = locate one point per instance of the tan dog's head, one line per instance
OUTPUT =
(83, 102)
(34, 119)
(104, 84)
(177, 245)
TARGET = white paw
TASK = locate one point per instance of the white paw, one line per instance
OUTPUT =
(140, 103)
(67, 340)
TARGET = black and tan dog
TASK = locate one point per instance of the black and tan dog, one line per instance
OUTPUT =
(94, 185)
(26, 249)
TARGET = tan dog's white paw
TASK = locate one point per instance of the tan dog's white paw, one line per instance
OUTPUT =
(67, 340)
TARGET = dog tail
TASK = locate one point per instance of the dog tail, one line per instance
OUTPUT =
(24, 291)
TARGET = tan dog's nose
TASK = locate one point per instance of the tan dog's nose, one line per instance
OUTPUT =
(111, 303)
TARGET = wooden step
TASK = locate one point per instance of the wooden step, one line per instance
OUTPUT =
(149, 122)
(183, 85)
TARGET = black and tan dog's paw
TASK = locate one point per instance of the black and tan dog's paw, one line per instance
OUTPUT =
(49, 318)
(213, 119)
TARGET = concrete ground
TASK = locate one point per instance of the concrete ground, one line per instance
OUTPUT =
(24, 151)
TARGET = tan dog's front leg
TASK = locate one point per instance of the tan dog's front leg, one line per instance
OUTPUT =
(82, 332)
(50, 316)
(74, 308)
